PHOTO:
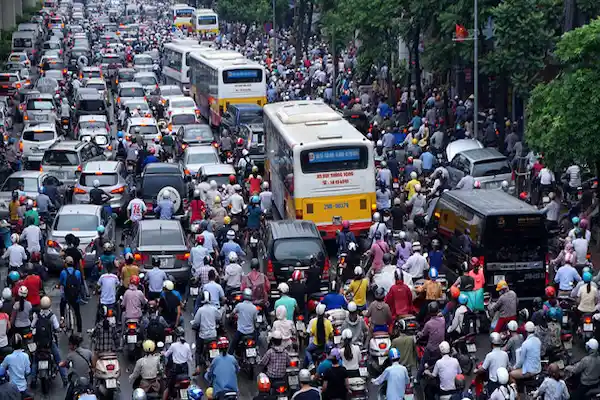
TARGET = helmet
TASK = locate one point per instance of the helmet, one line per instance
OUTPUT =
(394, 354)
(433, 307)
(575, 220)
(402, 235)
(6, 293)
(265, 185)
(195, 393)
(297, 275)
(416, 246)
(233, 257)
(320, 309)
(255, 199)
(433, 273)
(346, 224)
(346, 334)
(14, 238)
(304, 376)
(247, 294)
(139, 394)
(23, 291)
(553, 313)
(230, 234)
(529, 327)
(254, 168)
(397, 201)
(462, 298)
(240, 142)
(550, 292)
(254, 263)
(200, 239)
(410, 160)
(134, 280)
(477, 185)
(413, 175)
(96, 183)
(502, 374)
(387, 259)
(45, 302)
(376, 217)
(380, 143)
(475, 261)
(120, 135)
(587, 277)
(444, 347)
(501, 285)
(379, 293)
(495, 338)
(100, 229)
(283, 288)
(245, 152)
(591, 344)
(415, 141)
(512, 326)
(14, 276)
(454, 292)
(383, 164)
(583, 223)
(107, 246)
(166, 194)
(352, 307)
(168, 285)
(264, 384)
(196, 194)
(227, 220)
(213, 184)
(148, 346)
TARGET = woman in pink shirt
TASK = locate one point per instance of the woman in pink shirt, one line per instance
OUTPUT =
(378, 249)
(476, 273)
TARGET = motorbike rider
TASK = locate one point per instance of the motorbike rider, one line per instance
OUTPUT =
(587, 295)
(350, 354)
(284, 326)
(572, 177)
(133, 301)
(212, 193)
(46, 324)
(254, 214)
(399, 298)
(198, 207)
(210, 242)
(503, 391)
(236, 204)
(15, 253)
(233, 273)
(266, 198)
(206, 319)
(529, 361)
(513, 343)
(434, 330)
(334, 300)
(553, 387)
(44, 203)
(179, 353)
(355, 324)
(416, 264)
(379, 313)
(567, 277)
(276, 359)
(170, 304)
(153, 324)
(165, 206)
(34, 286)
(8, 390)
(257, 282)
(31, 212)
(287, 301)
(222, 373)
(446, 369)
(18, 366)
(156, 278)
(254, 181)
(21, 312)
(298, 290)
(455, 330)
(378, 226)
(497, 358)
(396, 376)
(306, 391)
(218, 213)
(506, 306)
(80, 361)
(246, 312)
(377, 250)
(344, 238)
(321, 332)
(231, 246)
(150, 158)
(148, 368)
(197, 256)
(99, 196)
(588, 369)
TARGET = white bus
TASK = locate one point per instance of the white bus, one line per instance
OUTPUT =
(219, 78)
(320, 167)
(206, 21)
(176, 61)
(182, 15)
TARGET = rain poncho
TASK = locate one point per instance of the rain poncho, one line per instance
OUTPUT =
(284, 325)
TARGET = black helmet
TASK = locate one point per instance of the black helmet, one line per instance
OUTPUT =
(15, 194)
(254, 264)
(433, 307)
(379, 293)
(28, 269)
(387, 259)
(155, 262)
(82, 382)
(538, 303)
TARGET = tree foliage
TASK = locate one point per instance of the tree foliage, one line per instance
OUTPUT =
(252, 11)
(562, 114)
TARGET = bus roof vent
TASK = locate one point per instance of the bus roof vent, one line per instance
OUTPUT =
(310, 112)
(329, 137)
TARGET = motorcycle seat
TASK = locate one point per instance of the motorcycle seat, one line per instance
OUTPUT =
(380, 334)
(566, 337)
(107, 356)
(182, 377)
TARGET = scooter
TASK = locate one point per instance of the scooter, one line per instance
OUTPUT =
(46, 369)
(107, 373)
(379, 346)
(132, 337)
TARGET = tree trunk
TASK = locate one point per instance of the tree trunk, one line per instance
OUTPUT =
(309, 22)
(417, 66)
(569, 15)
(299, 28)
(501, 98)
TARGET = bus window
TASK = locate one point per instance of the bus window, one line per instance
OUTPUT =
(242, 76)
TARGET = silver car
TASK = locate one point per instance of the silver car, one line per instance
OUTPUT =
(35, 140)
(65, 159)
(28, 183)
(41, 108)
(195, 157)
(111, 176)
(82, 220)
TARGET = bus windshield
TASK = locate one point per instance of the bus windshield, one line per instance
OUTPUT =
(184, 13)
(207, 20)
(343, 158)
(515, 238)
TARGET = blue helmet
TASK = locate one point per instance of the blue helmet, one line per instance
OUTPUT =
(587, 277)
(575, 220)
(120, 135)
(195, 393)
(462, 298)
(127, 250)
(553, 313)
(14, 276)
(255, 199)
(394, 354)
(11, 140)
(100, 229)
(586, 269)
(433, 273)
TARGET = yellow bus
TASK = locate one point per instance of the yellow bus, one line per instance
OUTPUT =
(182, 15)
(206, 20)
(320, 167)
(222, 77)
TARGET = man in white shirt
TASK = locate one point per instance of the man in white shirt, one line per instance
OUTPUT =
(466, 183)
(236, 202)
(580, 245)
(266, 198)
(546, 177)
(416, 263)
(446, 369)
(136, 208)
(233, 277)
(15, 253)
(32, 236)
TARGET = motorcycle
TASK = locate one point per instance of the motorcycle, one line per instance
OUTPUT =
(587, 326)
(253, 243)
(379, 346)
(46, 368)
(194, 287)
(358, 385)
(182, 383)
(464, 349)
(280, 389)
(107, 373)
(247, 353)
(133, 339)
(210, 351)
(292, 372)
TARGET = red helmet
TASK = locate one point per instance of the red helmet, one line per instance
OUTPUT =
(232, 179)
(550, 292)
(152, 151)
(475, 261)
(297, 275)
(35, 257)
(134, 280)
(22, 200)
(240, 142)
(346, 224)
(223, 342)
(410, 160)
(200, 239)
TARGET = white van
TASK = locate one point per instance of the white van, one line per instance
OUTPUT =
(24, 41)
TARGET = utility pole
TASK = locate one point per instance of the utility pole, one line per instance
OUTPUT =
(476, 70)
(274, 31)
(334, 76)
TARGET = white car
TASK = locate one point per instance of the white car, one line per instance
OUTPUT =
(148, 128)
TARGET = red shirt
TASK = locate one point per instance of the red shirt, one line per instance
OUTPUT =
(198, 210)
(399, 298)
(33, 283)
(254, 184)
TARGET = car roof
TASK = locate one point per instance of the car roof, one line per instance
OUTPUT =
(86, 209)
(247, 106)
(200, 150)
(153, 224)
(91, 96)
(162, 168)
(217, 169)
(94, 118)
(477, 155)
(39, 126)
(132, 70)
(179, 97)
(196, 125)
(67, 145)
(101, 166)
(461, 145)
(287, 229)
(129, 85)
(96, 80)
(45, 96)
(490, 202)
(144, 73)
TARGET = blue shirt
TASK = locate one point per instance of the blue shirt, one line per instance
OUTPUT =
(334, 301)
(254, 213)
(530, 357)
(223, 374)
(325, 365)
(396, 376)
(108, 261)
(566, 276)
(165, 208)
(416, 122)
(246, 312)
(230, 246)
(18, 365)
(435, 259)
(216, 292)
(150, 159)
(428, 160)
(156, 277)
(62, 279)
(388, 140)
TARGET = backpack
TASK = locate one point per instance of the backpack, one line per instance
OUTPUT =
(258, 288)
(72, 286)
(155, 330)
(43, 331)
(249, 166)
(121, 152)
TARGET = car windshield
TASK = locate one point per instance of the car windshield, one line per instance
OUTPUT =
(54, 74)
(40, 105)
(126, 76)
(92, 105)
(8, 78)
(221, 179)
(76, 222)
(161, 237)
(60, 158)
(103, 179)
(491, 168)
(183, 103)
(12, 184)
(202, 158)
(152, 184)
(110, 60)
(142, 61)
(144, 130)
(132, 92)
(171, 91)
(183, 119)
(92, 125)
(202, 132)
(254, 117)
(135, 104)
(98, 139)
(146, 80)
(97, 86)
(38, 136)
(297, 249)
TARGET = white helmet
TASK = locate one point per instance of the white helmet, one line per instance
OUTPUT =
(504, 184)
(358, 271)
(233, 257)
(413, 175)
(213, 184)
(376, 217)
(444, 347)
(380, 143)
(29, 203)
(346, 334)
(230, 234)
(502, 374)
(320, 309)
(265, 185)
(512, 326)
(402, 235)
(277, 335)
(6, 294)
(196, 193)
(352, 307)
(529, 327)
(352, 246)
(283, 288)
(592, 344)
(45, 302)
(168, 285)
(417, 188)
(416, 246)
(166, 194)
(245, 152)
(14, 238)
(23, 291)
(96, 183)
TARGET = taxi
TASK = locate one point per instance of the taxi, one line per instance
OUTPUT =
(19, 57)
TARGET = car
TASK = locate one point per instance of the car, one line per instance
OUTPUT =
(488, 166)
(111, 176)
(11, 82)
(148, 80)
(83, 221)
(90, 72)
(238, 114)
(31, 182)
(48, 85)
(143, 63)
(57, 75)
(218, 172)
(52, 62)
(181, 116)
(148, 128)
(459, 145)
(65, 159)
(165, 241)
(142, 104)
(124, 75)
(35, 139)
(90, 104)
(176, 103)
(168, 91)
(41, 108)
(254, 135)
(194, 158)
(288, 245)
(94, 128)
(111, 61)
(195, 134)
(20, 57)
(98, 84)
(53, 44)
(160, 177)
(18, 67)
(127, 90)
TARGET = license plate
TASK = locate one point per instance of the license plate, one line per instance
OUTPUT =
(498, 278)
(43, 364)
(213, 353)
(565, 319)
(65, 126)
(168, 339)
(337, 339)
(568, 345)
(363, 371)
(167, 262)
(259, 319)
(293, 380)
(112, 320)
(381, 360)
(251, 352)
(395, 185)
(409, 396)
(183, 394)
(282, 398)
(194, 291)
(32, 347)
(588, 327)
(111, 383)
(471, 347)
(131, 338)
(300, 326)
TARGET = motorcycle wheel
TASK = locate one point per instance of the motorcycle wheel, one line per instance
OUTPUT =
(466, 364)
(45, 384)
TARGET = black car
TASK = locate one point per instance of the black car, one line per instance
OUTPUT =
(289, 245)
(195, 134)
(160, 177)
(90, 104)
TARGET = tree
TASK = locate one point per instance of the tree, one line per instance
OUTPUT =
(562, 114)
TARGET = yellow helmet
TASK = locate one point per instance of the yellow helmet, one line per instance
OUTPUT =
(501, 285)
(209, 393)
(148, 346)
(227, 220)
(415, 141)
(217, 199)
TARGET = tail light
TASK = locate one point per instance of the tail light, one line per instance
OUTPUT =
(41, 169)
(21, 142)
(343, 260)
(382, 345)
(138, 257)
(65, 71)
(215, 145)
(587, 320)
(213, 345)
(18, 86)
(110, 367)
(78, 168)
(182, 257)
(258, 308)
(481, 260)
(281, 389)
(132, 326)
(338, 331)
(186, 171)
(250, 343)
(118, 190)
(300, 317)
(79, 191)
(28, 335)
(238, 297)
(326, 268)
(52, 243)
(294, 363)
(270, 273)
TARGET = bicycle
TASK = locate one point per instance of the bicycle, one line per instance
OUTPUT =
(68, 321)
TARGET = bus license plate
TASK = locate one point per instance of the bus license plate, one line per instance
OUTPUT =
(588, 327)
(471, 347)
(43, 364)
(111, 383)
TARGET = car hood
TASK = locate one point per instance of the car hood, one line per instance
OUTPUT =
(194, 168)
(8, 195)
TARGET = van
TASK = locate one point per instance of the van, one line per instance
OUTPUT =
(507, 235)
(24, 42)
